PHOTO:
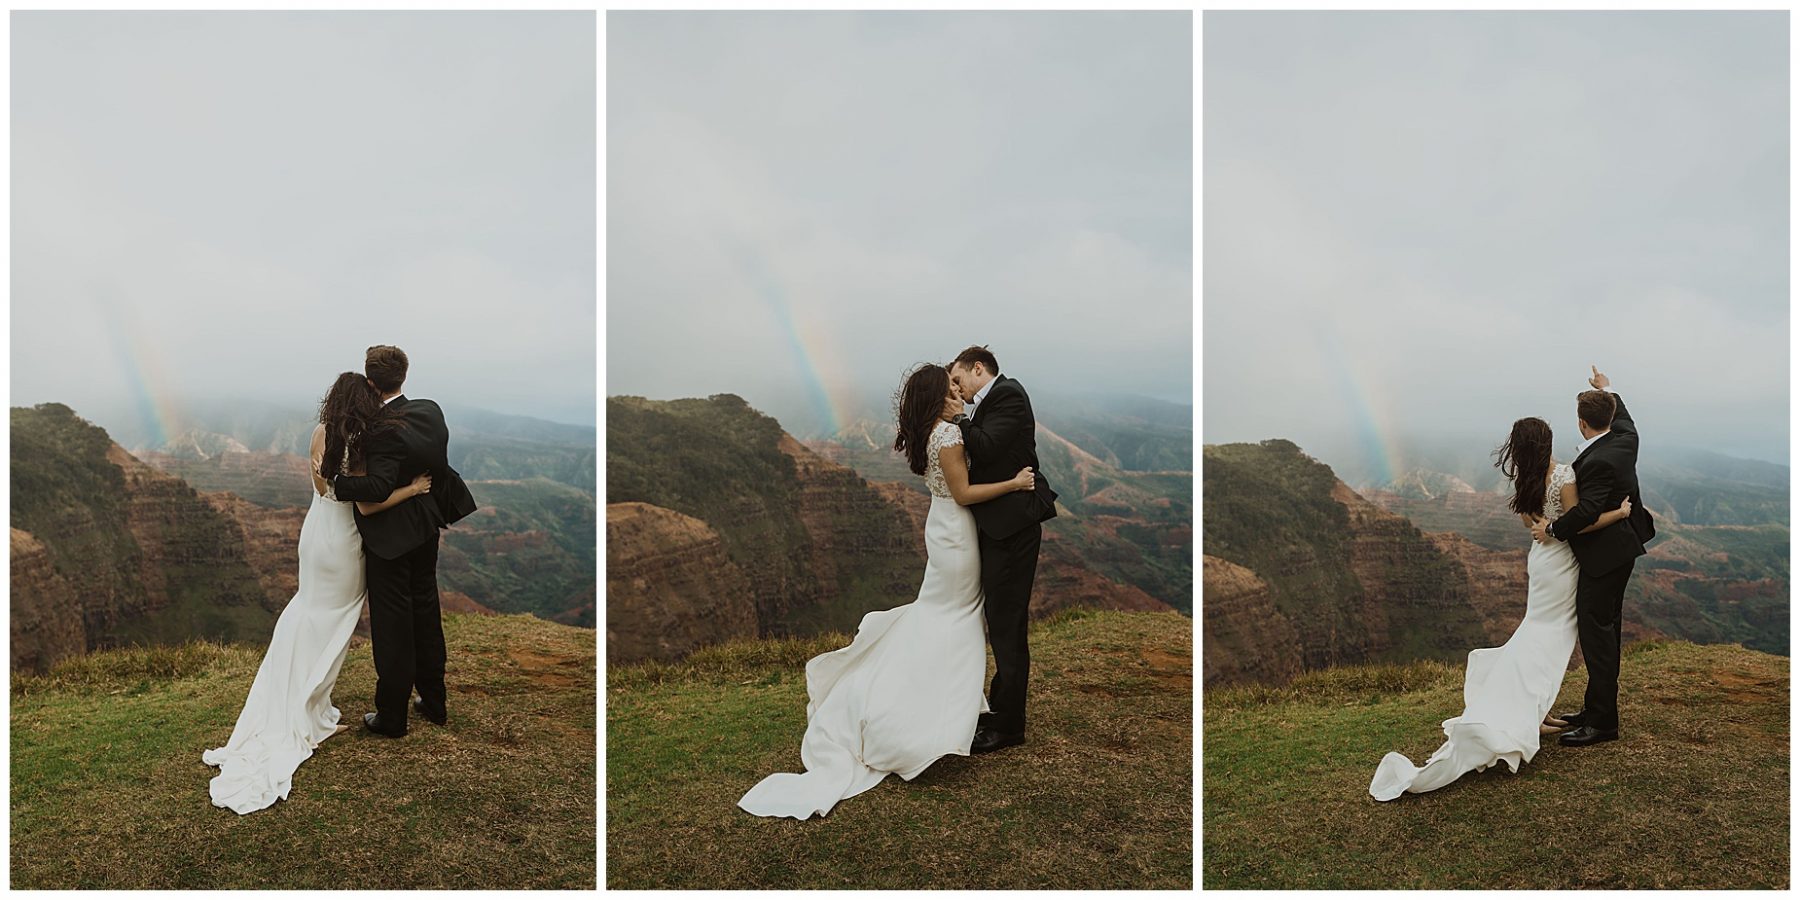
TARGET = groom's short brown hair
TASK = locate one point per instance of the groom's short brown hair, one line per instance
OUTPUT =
(1596, 409)
(968, 358)
(386, 367)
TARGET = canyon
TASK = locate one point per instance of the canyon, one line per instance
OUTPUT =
(110, 550)
(1301, 572)
(720, 524)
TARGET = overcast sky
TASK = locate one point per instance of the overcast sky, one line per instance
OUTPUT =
(223, 204)
(1421, 222)
(802, 205)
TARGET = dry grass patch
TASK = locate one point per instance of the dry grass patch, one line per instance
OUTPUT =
(108, 790)
(1099, 797)
(1694, 795)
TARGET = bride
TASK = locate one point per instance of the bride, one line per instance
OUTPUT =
(1508, 690)
(289, 709)
(908, 689)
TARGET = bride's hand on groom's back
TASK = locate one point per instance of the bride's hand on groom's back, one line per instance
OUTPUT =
(1026, 480)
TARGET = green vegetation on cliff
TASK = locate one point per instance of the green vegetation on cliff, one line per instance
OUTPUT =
(530, 548)
(1270, 509)
(1100, 796)
(108, 790)
(1693, 795)
(1133, 527)
(150, 561)
(720, 461)
(64, 489)
(1347, 583)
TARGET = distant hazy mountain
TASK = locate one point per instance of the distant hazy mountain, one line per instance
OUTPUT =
(1134, 434)
(1683, 484)
(483, 444)
(1128, 432)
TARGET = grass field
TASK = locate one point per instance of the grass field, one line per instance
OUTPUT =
(108, 790)
(1101, 795)
(1693, 795)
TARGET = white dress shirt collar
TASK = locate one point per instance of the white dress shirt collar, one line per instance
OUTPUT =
(1582, 447)
(979, 395)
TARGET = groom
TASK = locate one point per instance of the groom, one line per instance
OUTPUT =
(400, 545)
(1605, 474)
(1000, 437)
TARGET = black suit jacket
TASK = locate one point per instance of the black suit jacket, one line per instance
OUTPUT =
(408, 440)
(1605, 474)
(999, 440)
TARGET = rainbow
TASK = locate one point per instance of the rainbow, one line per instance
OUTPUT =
(147, 383)
(1371, 417)
(812, 345)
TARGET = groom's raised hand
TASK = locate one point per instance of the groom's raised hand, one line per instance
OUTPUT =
(1598, 382)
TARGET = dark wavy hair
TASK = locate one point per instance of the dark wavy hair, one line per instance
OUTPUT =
(1525, 458)
(349, 410)
(917, 406)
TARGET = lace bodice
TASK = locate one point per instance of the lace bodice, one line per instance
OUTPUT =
(944, 435)
(330, 482)
(1559, 476)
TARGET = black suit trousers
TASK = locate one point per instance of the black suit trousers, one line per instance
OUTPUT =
(1008, 568)
(406, 628)
(1599, 615)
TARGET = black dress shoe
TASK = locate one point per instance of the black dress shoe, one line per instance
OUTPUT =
(1575, 719)
(372, 721)
(1587, 734)
(419, 707)
(987, 740)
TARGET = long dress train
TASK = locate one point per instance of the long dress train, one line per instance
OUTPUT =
(1507, 690)
(908, 689)
(289, 711)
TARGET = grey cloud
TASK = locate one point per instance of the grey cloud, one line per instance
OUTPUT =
(867, 190)
(1449, 216)
(238, 203)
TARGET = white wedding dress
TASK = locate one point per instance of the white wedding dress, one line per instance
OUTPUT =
(908, 689)
(1507, 690)
(289, 709)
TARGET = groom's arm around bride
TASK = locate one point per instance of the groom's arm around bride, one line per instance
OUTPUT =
(411, 441)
